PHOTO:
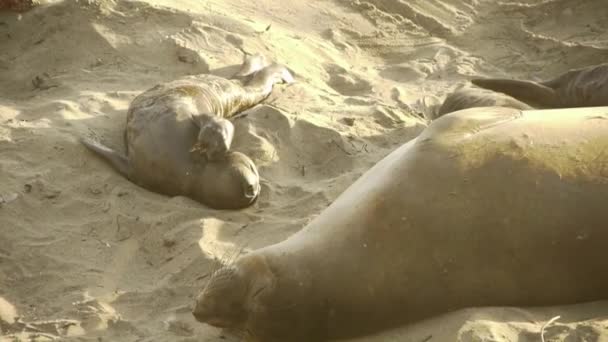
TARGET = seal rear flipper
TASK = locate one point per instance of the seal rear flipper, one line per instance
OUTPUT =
(117, 160)
(532, 93)
(251, 64)
(430, 107)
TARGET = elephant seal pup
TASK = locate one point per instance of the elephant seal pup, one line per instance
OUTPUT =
(210, 100)
(471, 97)
(489, 206)
(585, 87)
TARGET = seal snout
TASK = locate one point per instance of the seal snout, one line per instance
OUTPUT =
(251, 191)
(202, 315)
(208, 319)
(198, 314)
(203, 310)
(221, 303)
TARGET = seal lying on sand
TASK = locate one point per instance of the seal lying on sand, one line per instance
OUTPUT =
(489, 206)
(585, 87)
(470, 97)
(163, 124)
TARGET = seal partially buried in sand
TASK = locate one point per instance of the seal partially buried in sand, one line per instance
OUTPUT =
(165, 122)
(470, 97)
(489, 206)
(584, 87)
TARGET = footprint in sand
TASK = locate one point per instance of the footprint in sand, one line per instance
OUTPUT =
(187, 44)
(346, 83)
(402, 73)
(14, 328)
(336, 37)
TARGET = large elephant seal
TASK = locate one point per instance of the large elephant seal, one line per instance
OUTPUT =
(470, 97)
(585, 87)
(165, 122)
(487, 207)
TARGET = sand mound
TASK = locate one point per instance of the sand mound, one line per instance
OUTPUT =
(85, 254)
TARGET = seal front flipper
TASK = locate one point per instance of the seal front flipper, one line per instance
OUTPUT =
(532, 93)
(117, 160)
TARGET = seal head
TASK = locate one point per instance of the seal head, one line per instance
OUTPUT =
(222, 302)
(232, 292)
(231, 182)
(214, 138)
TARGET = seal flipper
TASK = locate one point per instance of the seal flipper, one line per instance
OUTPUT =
(532, 93)
(251, 64)
(117, 160)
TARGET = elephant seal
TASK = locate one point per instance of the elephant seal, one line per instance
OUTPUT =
(470, 97)
(584, 87)
(165, 122)
(488, 206)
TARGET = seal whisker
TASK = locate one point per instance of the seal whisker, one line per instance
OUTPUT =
(548, 323)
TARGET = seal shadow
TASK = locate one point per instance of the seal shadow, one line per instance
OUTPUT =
(504, 324)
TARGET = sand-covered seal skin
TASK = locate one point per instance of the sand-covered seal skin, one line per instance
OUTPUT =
(584, 87)
(470, 97)
(489, 206)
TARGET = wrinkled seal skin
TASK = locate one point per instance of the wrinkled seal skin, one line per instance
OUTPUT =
(166, 121)
(471, 97)
(489, 206)
(584, 87)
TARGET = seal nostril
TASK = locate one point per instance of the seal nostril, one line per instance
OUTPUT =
(250, 190)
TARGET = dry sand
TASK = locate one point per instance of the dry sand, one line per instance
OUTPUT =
(85, 255)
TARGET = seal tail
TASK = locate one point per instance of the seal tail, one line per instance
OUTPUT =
(117, 160)
(532, 93)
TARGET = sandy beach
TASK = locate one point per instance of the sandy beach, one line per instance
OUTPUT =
(86, 255)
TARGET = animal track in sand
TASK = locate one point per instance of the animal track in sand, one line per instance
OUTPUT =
(347, 83)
